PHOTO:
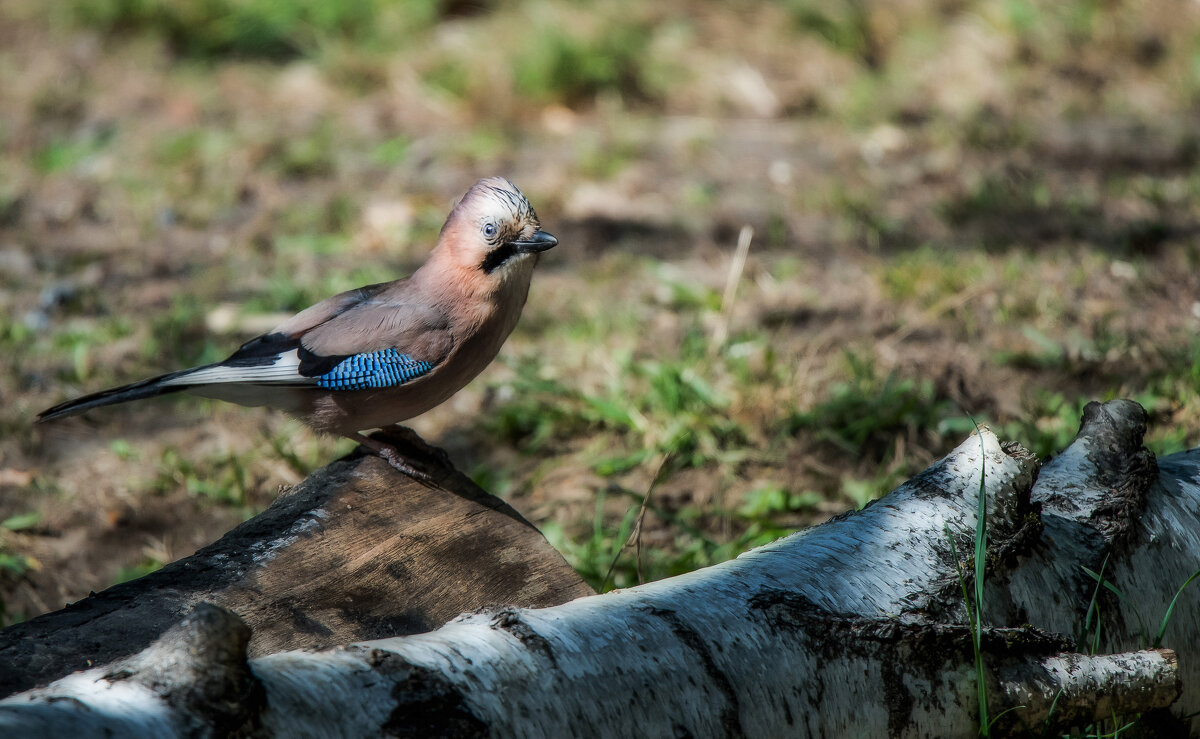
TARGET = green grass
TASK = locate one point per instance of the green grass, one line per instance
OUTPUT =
(141, 569)
(865, 221)
(222, 479)
(661, 407)
(1016, 206)
(63, 154)
(210, 29)
(13, 564)
(1051, 424)
(606, 557)
(482, 146)
(178, 337)
(865, 413)
(391, 152)
(843, 24)
(572, 68)
(973, 600)
(766, 502)
(928, 276)
(308, 155)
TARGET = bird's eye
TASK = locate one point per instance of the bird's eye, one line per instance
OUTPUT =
(489, 230)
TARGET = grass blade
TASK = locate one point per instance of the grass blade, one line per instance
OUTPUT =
(980, 571)
(1162, 629)
(1121, 596)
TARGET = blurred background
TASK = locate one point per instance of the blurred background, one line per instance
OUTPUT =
(960, 210)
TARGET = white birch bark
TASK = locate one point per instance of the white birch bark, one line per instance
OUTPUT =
(853, 628)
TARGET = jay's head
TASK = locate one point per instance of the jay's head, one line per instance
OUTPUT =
(494, 229)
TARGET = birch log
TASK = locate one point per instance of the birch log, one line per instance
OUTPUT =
(853, 628)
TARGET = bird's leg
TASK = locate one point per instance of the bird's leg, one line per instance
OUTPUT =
(391, 455)
(424, 447)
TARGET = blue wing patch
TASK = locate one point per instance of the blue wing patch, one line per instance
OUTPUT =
(384, 368)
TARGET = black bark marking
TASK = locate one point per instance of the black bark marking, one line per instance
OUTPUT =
(918, 649)
(427, 704)
(510, 621)
(842, 633)
(679, 731)
(731, 716)
(896, 695)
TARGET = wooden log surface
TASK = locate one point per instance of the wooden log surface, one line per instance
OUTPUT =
(356, 551)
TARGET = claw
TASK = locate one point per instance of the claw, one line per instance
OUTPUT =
(392, 456)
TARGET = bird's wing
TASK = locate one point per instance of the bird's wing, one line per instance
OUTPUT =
(393, 319)
(273, 356)
(379, 342)
(330, 308)
(354, 341)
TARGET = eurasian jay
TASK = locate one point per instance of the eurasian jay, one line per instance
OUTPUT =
(381, 354)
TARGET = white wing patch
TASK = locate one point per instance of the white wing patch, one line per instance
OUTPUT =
(285, 370)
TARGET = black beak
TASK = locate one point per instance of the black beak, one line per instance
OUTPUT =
(540, 241)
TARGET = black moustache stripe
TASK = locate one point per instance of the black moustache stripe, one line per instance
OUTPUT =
(497, 257)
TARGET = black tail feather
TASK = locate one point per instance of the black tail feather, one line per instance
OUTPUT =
(135, 391)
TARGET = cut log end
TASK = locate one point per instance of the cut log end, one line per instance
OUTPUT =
(357, 551)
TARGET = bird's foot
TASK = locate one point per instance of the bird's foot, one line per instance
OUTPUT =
(396, 461)
(408, 436)
(392, 456)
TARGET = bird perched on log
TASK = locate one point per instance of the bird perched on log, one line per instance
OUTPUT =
(381, 354)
